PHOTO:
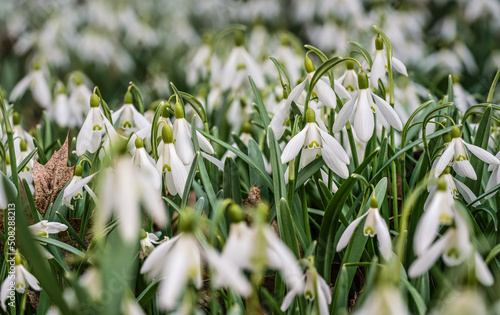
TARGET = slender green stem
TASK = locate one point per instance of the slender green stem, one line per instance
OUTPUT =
(352, 144)
(492, 88)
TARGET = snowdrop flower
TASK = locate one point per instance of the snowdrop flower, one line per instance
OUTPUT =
(22, 279)
(350, 78)
(494, 177)
(95, 125)
(360, 109)
(315, 287)
(440, 210)
(20, 134)
(456, 156)
(379, 66)
(454, 247)
(44, 228)
(455, 188)
(169, 163)
(128, 118)
(177, 262)
(74, 190)
(37, 82)
(182, 137)
(314, 142)
(238, 65)
(384, 300)
(79, 95)
(146, 164)
(122, 192)
(374, 225)
(147, 241)
(64, 114)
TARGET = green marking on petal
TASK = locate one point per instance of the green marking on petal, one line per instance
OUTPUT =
(369, 231)
(127, 124)
(461, 158)
(313, 144)
(97, 128)
(167, 167)
(453, 252)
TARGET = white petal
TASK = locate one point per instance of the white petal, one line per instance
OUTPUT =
(295, 93)
(229, 71)
(330, 142)
(287, 300)
(465, 169)
(55, 227)
(85, 136)
(346, 236)
(378, 68)
(444, 159)
(481, 153)
(388, 112)
(140, 121)
(40, 88)
(428, 258)
(325, 94)
(483, 274)
(466, 192)
(384, 238)
(155, 261)
(71, 189)
(363, 118)
(117, 114)
(183, 143)
(214, 161)
(21, 87)
(179, 173)
(399, 66)
(340, 90)
(204, 143)
(294, 146)
(428, 226)
(30, 279)
(344, 115)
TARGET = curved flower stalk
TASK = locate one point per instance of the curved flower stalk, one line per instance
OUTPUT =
(384, 300)
(374, 225)
(494, 177)
(37, 82)
(169, 163)
(122, 192)
(74, 190)
(182, 137)
(315, 287)
(146, 164)
(314, 142)
(95, 125)
(454, 247)
(456, 156)
(22, 279)
(128, 118)
(360, 109)
(379, 67)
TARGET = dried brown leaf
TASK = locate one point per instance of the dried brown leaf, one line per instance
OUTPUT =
(50, 179)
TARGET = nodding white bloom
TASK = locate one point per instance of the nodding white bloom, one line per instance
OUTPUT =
(79, 94)
(20, 134)
(315, 287)
(439, 209)
(374, 225)
(65, 114)
(147, 241)
(455, 188)
(454, 247)
(379, 66)
(238, 65)
(37, 83)
(177, 262)
(384, 300)
(44, 228)
(170, 163)
(314, 142)
(494, 177)
(5, 185)
(128, 118)
(350, 78)
(182, 137)
(95, 125)
(360, 109)
(322, 88)
(456, 156)
(74, 190)
(122, 192)
(146, 164)
(22, 279)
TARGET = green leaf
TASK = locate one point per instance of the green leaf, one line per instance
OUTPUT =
(264, 116)
(417, 298)
(147, 295)
(232, 188)
(26, 160)
(59, 244)
(189, 180)
(308, 171)
(255, 155)
(364, 53)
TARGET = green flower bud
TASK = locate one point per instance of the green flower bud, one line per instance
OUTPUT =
(166, 134)
(61, 89)
(362, 81)
(441, 184)
(446, 138)
(446, 171)
(309, 65)
(78, 170)
(455, 132)
(349, 65)
(78, 79)
(143, 234)
(235, 213)
(17, 258)
(16, 119)
(310, 115)
(187, 222)
(165, 113)
(239, 39)
(128, 99)
(94, 101)
(138, 142)
(379, 43)
(247, 128)
(23, 145)
(373, 202)
(178, 110)
(7, 160)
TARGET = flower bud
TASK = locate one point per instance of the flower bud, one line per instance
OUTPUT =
(178, 110)
(239, 40)
(143, 234)
(309, 65)
(446, 171)
(187, 222)
(23, 145)
(78, 170)
(362, 81)
(379, 43)
(247, 128)
(166, 134)
(165, 113)
(349, 65)
(138, 143)
(310, 115)
(455, 132)
(16, 119)
(128, 99)
(446, 138)
(94, 101)
(235, 213)
(17, 258)
(441, 185)
(373, 202)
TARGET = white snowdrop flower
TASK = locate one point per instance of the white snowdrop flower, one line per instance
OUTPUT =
(147, 240)
(384, 300)
(200, 63)
(146, 164)
(379, 66)
(170, 164)
(74, 190)
(350, 78)
(440, 210)
(287, 56)
(314, 142)
(20, 135)
(456, 156)
(315, 287)
(128, 118)
(20, 281)
(79, 94)
(238, 65)
(469, 301)
(64, 114)
(37, 83)
(44, 228)
(360, 109)
(455, 188)
(122, 192)
(182, 137)
(494, 177)
(177, 262)
(95, 125)
(374, 225)
(454, 247)
(91, 280)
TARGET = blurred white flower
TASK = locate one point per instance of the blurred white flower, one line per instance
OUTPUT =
(64, 113)
(38, 84)
(238, 66)
(384, 300)
(74, 190)
(494, 177)
(379, 67)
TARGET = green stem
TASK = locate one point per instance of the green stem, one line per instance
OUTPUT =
(352, 144)
(492, 88)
